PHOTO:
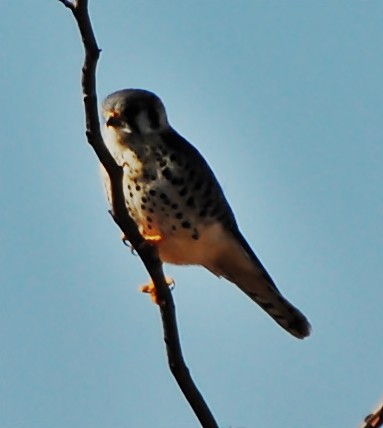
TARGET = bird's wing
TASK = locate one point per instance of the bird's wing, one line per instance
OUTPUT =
(233, 257)
(249, 251)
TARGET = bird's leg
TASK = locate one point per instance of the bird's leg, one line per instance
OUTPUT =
(150, 288)
(150, 239)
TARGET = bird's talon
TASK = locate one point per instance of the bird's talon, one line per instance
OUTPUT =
(170, 283)
(127, 243)
(151, 289)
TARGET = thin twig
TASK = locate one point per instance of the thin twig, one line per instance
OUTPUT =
(147, 253)
(375, 419)
(68, 4)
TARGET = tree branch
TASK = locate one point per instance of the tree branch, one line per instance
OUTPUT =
(375, 419)
(147, 253)
(68, 4)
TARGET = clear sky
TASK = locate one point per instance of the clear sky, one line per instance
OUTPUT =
(285, 100)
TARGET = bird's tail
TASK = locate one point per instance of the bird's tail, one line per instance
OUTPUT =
(268, 297)
(279, 308)
(239, 265)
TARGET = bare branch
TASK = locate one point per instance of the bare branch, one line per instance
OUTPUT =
(375, 419)
(68, 4)
(147, 253)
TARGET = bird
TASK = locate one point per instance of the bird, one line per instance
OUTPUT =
(178, 204)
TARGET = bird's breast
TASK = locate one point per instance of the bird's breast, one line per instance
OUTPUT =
(171, 195)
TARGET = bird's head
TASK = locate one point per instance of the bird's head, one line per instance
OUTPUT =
(134, 111)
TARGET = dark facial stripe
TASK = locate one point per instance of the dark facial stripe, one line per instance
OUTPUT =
(154, 118)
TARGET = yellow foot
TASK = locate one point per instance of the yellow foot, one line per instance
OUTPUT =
(152, 239)
(150, 288)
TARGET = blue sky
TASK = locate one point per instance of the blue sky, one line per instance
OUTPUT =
(285, 100)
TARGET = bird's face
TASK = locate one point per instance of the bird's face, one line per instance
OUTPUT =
(134, 111)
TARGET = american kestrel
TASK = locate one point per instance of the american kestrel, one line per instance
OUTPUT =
(178, 204)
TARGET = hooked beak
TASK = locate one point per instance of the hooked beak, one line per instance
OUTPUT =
(114, 121)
